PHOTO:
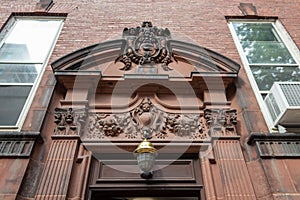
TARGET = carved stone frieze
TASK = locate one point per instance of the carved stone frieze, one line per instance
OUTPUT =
(184, 125)
(146, 45)
(68, 121)
(221, 122)
(101, 125)
(146, 120)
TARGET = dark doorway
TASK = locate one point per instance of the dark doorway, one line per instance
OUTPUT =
(156, 194)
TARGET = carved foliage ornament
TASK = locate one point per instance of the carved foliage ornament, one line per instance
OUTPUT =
(148, 121)
(145, 118)
(146, 45)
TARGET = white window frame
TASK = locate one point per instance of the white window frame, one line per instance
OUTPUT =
(3, 34)
(288, 42)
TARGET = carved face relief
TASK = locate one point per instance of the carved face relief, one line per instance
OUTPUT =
(68, 121)
(221, 122)
(146, 45)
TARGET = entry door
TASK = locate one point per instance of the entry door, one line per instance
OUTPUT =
(148, 195)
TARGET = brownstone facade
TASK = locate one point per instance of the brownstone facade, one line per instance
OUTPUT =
(170, 70)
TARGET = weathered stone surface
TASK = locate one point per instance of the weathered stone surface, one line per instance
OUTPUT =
(11, 177)
(279, 177)
(257, 175)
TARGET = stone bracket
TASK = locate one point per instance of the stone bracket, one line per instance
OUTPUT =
(68, 122)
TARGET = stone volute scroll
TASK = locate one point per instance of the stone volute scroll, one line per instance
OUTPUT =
(146, 45)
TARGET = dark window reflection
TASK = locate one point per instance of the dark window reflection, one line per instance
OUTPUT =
(12, 100)
(14, 52)
(265, 76)
(261, 44)
(18, 73)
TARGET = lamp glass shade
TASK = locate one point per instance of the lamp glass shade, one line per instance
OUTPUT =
(146, 161)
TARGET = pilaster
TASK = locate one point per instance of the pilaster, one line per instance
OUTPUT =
(63, 152)
(233, 169)
(227, 176)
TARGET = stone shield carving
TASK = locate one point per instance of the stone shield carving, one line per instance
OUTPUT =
(146, 45)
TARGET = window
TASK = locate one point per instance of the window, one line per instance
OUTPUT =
(268, 54)
(24, 49)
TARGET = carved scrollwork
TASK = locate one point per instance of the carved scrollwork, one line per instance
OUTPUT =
(127, 124)
(144, 120)
(147, 118)
(69, 121)
(94, 130)
(146, 45)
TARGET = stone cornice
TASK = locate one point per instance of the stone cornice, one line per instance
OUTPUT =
(272, 137)
(17, 144)
(270, 145)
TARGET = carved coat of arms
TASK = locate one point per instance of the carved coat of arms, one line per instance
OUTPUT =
(146, 45)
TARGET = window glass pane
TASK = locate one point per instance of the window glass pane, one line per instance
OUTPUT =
(265, 76)
(267, 53)
(19, 73)
(29, 41)
(272, 106)
(12, 100)
(255, 32)
(261, 44)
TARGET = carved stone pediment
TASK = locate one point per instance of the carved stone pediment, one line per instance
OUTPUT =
(144, 52)
(115, 112)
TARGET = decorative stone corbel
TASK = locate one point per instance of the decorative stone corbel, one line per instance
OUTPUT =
(221, 122)
(69, 121)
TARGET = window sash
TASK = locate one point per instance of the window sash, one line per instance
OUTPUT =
(278, 37)
(15, 77)
(10, 109)
(286, 40)
(259, 47)
(19, 73)
(26, 41)
(266, 75)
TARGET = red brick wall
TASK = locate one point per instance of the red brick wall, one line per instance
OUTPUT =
(200, 21)
(203, 22)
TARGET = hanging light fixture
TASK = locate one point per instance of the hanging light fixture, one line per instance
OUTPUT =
(145, 154)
